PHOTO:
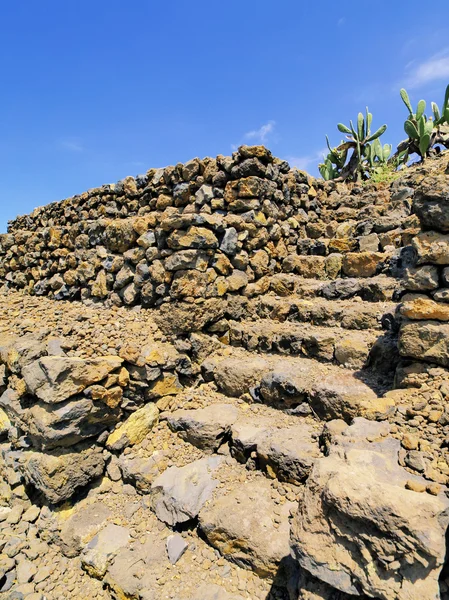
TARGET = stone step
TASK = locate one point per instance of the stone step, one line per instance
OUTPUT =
(348, 314)
(379, 288)
(282, 446)
(329, 344)
(299, 386)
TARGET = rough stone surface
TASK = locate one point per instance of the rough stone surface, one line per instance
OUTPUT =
(257, 311)
(55, 378)
(58, 474)
(205, 428)
(134, 429)
(350, 544)
(235, 377)
(248, 535)
(345, 397)
(425, 340)
(103, 547)
(179, 493)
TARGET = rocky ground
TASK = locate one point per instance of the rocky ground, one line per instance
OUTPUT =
(225, 380)
(200, 504)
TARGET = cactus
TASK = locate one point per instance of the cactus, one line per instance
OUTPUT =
(377, 154)
(327, 170)
(442, 117)
(426, 136)
(333, 163)
(366, 150)
(425, 133)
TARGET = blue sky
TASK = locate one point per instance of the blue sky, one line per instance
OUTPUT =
(96, 90)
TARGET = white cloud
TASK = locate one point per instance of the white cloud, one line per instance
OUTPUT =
(433, 69)
(72, 145)
(305, 162)
(261, 135)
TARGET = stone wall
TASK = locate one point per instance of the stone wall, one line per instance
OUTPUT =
(424, 332)
(206, 229)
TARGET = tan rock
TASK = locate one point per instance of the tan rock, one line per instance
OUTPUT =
(134, 429)
(425, 340)
(432, 247)
(99, 287)
(415, 486)
(237, 280)
(120, 235)
(5, 423)
(194, 237)
(259, 152)
(333, 265)
(309, 267)
(112, 397)
(351, 352)
(189, 284)
(123, 377)
(167, 385)
(240, 525)
(354, 503)
(57, 378)
(342, 245)
(362, 264)
(433, 488)
(410, 442)
(425, 308)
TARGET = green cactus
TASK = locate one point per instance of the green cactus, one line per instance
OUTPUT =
(327, 170)
(426, 137)
(359, 142)
(377, 154)
(333, 163)
(363, 155)
(442, 117)
(424, 133)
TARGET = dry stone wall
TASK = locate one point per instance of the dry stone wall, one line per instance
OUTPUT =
(207, 229)
(274, 419)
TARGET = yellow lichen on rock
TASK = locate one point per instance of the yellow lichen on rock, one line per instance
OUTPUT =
(134, 429)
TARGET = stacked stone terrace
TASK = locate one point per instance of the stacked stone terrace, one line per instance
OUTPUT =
(258, 359)
(225, 237)
(205, 229)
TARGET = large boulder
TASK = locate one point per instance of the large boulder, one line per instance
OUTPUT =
(343, 396)
(60, 473)
(179, 493)
(62, 424)
(134, 430)
(248, 527)
(235, 376)
(359, 529)
(205, 428)
(57, 378)
(431, 202)
(425, 340)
